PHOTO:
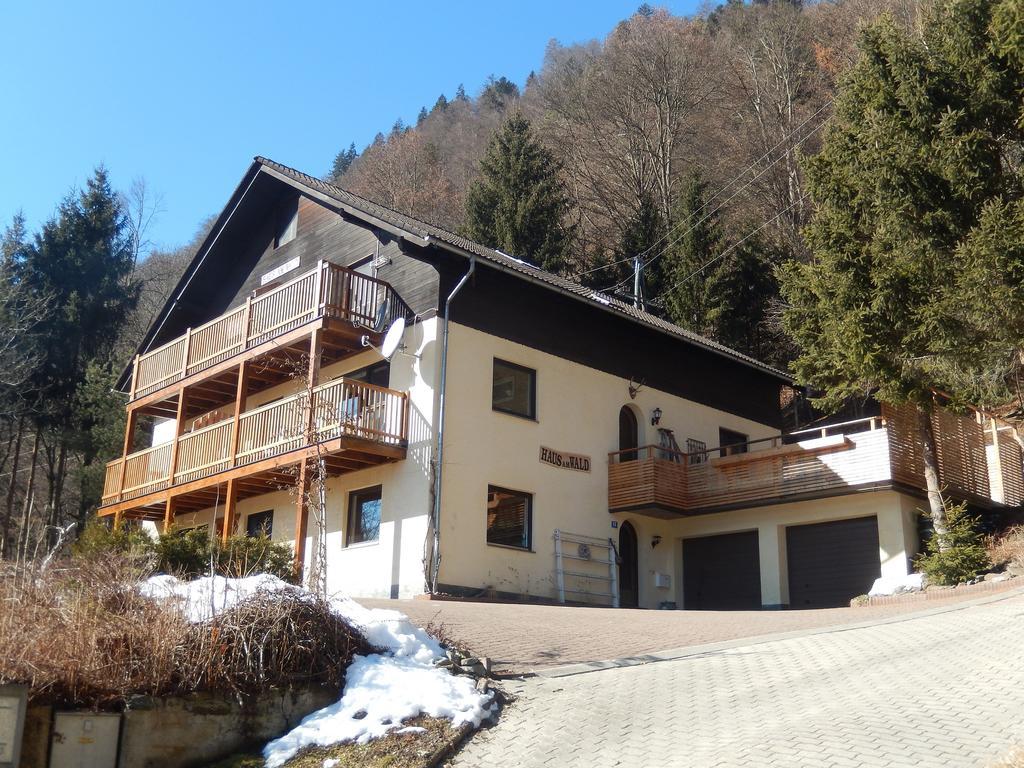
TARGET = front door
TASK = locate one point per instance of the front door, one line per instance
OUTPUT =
(629, 589)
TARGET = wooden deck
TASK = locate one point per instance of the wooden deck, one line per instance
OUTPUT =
(329, 292)
(354, 424)
(978, 461)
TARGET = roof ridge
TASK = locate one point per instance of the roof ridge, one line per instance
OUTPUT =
(580, 291)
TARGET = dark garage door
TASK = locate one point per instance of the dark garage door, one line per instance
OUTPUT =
(722, 572)
(829, 563)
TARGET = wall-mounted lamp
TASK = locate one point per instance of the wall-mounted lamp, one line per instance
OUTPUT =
(656, 417)
(655, 540)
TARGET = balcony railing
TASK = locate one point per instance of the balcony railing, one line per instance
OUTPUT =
(328, 290)
(867, 453)
(340, 408)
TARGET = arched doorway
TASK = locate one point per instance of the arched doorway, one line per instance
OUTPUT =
(629, 434)
(629, 587)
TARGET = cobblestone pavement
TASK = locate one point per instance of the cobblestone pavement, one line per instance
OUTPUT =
(943, 689)
(525, 638)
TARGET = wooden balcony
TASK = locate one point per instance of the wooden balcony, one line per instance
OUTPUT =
(328, 292)
(353, 425)
(863, 455)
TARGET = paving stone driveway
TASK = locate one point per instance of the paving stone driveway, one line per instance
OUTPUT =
(944, 689)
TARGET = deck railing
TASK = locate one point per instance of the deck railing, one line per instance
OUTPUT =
(864, 453)
(328, 290)
(340, 408)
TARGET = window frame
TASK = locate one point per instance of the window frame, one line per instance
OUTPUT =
(286, 227)
(268, 531)
(377, 492)
(725, 446)
(491, 488)
(531, 372)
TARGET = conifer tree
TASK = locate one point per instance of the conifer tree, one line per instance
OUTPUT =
(919, 148)
(738, 296)
(342, 161)
(440, 105)
(642, 233)
(518, 204)
(697, 241)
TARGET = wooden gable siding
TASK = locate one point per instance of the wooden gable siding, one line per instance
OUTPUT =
(326, 234)
(514, 309)
(245, 252)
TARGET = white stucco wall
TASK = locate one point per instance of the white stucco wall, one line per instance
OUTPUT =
(577, 412)
(393, 565)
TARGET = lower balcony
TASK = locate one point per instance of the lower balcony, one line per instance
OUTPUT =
(350, 424)
(976, 463)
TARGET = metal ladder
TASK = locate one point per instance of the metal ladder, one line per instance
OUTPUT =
(581, 550)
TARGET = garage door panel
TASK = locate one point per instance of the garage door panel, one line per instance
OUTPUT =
(830, 563)
(722, 572)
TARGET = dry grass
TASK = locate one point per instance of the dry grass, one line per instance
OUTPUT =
(422, 749)
(79, 634)
(1007, 547)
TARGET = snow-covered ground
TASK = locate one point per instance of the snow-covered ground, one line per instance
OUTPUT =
(381, 689)
(897, 585)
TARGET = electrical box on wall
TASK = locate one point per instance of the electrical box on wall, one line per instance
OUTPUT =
(84, 740)
(13, 703)
(662, 580)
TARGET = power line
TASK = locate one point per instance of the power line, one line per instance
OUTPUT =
(734, 246)
(719, 207)
(741, 175)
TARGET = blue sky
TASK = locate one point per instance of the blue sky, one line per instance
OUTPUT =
(184, 94)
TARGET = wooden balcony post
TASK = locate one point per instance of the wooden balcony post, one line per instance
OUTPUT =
(169, 509)
(179, 418)
(230, 511)
(129, 438)
(241, 395)
(185, 351)
(246, 321)
(118, 519)
(318, 297)
(135, 378)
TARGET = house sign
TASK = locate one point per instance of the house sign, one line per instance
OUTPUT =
(564, 460)
(275, 273)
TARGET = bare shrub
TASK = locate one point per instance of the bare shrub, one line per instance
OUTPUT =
(1007, 547)
(271, 639)
(80, 634)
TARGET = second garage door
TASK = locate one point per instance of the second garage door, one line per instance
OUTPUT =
(829, 563)
(722, 572)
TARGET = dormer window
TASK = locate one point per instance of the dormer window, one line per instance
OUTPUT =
(287, 222)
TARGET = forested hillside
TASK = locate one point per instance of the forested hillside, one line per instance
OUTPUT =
(674, 139)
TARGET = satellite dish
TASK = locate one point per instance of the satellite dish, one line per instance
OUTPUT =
(393, 338)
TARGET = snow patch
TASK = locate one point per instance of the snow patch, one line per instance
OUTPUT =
(381, 689)
(897, 585)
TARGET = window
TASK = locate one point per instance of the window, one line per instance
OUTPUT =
(696, 450)
(731, 442)
(377, 374)
(513, 389)
(363, 516)
(260, 524)
(287, 223)
(509, 516)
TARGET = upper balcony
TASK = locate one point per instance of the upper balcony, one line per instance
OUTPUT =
(349, 424)
(977, 463)
(328, 292)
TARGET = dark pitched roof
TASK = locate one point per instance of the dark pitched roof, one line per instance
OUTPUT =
(426, 231)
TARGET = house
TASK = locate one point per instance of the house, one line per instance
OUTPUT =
(526, 437)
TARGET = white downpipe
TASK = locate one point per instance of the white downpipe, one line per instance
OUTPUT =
(439, 452)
